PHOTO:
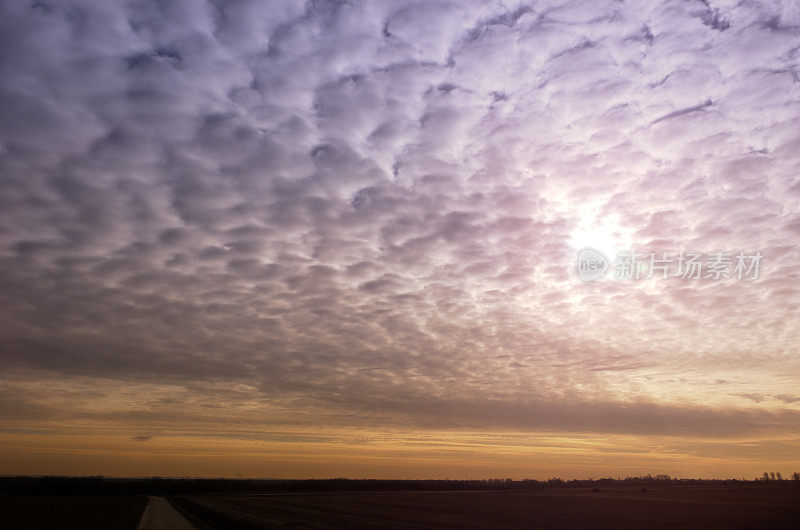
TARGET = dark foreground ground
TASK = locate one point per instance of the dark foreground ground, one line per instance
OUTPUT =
(672, 505)
(67, 512)
(622, 507)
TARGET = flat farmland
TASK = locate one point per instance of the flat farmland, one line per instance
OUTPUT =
(67, 512)
(623, 507)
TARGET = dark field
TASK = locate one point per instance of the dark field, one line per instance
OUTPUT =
(681, 506)
(87, 512)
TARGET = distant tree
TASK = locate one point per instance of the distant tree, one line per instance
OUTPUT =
(796, 476)
(765, 476)
(778, 474)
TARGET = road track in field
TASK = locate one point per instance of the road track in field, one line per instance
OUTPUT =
(160, 515)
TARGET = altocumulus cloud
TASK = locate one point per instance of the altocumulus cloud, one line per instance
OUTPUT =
(364, 213)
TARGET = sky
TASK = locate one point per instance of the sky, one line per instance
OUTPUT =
(343, 238)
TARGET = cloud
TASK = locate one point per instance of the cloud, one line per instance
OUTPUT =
(367, 211)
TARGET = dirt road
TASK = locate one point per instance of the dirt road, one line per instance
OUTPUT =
(160, 515)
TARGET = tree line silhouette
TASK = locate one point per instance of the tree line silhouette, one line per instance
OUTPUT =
(59, 485)
(770, 476)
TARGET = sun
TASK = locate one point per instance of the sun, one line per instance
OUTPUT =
(603, 234)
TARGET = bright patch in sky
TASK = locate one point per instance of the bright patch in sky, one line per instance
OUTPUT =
(601, 234)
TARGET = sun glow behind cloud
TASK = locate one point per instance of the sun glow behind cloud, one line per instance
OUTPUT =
(600, 233)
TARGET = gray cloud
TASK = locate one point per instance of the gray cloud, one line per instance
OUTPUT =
(368, 209)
